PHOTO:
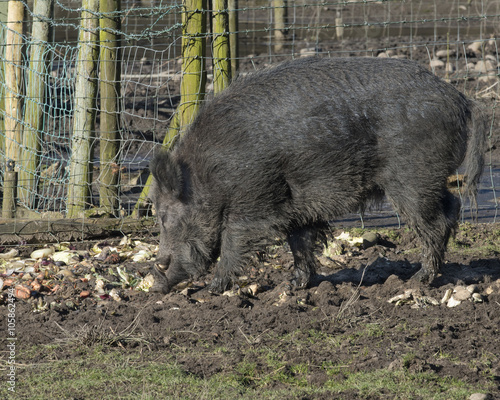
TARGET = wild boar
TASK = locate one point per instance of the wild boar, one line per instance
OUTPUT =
(285, 150)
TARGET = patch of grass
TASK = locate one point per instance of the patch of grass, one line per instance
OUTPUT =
(407, 360)
(472, 240)
(441, 355)
(333, 369)
(486, 363)
(468, 246)
(401, 384)
(416, 250)
(356, 232)
(245, 373)
(316, 336)
(110, 372)
(374, 330)
(393, 235)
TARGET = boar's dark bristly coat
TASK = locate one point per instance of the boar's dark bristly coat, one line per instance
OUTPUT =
(287, 149)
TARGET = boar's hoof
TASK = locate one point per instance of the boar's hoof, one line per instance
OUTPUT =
(301, 280)
(219, 285)
(299, 283)
(424, 276)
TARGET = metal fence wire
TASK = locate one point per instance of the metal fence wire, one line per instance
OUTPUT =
(456, 39)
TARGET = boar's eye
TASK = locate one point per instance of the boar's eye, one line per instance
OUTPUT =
(168, 217)
(163, 219)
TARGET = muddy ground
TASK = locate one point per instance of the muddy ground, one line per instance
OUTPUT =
(352, 303)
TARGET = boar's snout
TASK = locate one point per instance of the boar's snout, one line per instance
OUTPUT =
(161, 283)
(164, 262)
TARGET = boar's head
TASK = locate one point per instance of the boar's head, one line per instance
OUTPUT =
(189, 228)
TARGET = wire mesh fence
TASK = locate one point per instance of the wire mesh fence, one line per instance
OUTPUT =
(456, 39)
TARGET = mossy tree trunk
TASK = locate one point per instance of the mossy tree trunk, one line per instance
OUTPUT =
(168, 141)
(79, 189)
(34, 103)
(193, 60)
(110, 65)
(194, 76)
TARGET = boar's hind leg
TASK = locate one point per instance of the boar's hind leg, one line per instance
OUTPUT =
(434, 224)
(302, 243)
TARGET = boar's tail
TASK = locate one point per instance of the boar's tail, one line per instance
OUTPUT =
(476, 147)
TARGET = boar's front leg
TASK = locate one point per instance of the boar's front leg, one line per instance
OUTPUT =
(303, 242)
(234, 246)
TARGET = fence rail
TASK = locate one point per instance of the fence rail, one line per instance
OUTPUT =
(89, 90)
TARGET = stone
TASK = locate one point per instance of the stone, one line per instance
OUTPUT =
(480, 396)
(484, 66)
(369, 239)
(472, 288)
(436, 63)
(445, 53)
(461, 293)
(447, 296)
(477, 298)
(309, 52)
(475, 46)
(452, 302)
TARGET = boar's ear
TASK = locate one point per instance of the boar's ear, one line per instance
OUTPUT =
(167, 173)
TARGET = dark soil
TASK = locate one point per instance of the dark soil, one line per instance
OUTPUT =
(348, 302)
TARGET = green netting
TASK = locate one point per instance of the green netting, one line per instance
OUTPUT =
(456, 39)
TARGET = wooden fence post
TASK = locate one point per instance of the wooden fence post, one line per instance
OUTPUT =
(80, 179)
(110, 87)
(34, 103)
(233, 37)
(13, 79)
(220, 46)
(9, 190)
(13, 87)
(3, 33)
(280, 16)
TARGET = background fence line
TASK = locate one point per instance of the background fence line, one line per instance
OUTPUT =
(457, 40)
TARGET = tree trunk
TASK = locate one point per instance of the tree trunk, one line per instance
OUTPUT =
(193, 65)
(193, 80)
(168, 141)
